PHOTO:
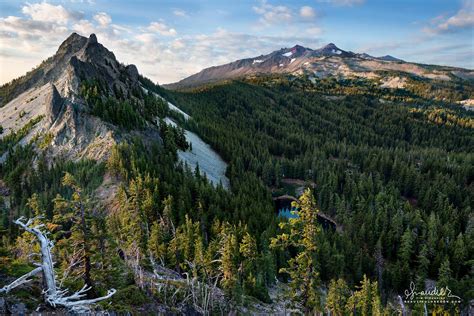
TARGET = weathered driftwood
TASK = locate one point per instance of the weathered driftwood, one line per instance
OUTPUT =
(54, 295)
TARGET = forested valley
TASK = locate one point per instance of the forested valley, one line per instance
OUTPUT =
(395, 177)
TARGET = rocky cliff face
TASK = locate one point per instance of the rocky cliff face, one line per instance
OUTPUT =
(54, 104)
(77, 58)
(51, 92)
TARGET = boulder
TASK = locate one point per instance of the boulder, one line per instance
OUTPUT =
(18, 309)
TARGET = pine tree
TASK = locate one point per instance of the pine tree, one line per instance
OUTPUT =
(183, 246)
(366, 300)
(459, 255)
(423, 266)
(445, 274)
(248, 251)
(126, 226)
(337, 297)
(404, 257)
(229, 251)
(156, 242)
(78, 213)
(248, 247)
(301, 233)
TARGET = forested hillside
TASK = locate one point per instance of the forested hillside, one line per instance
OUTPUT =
(397, 177)
(379, 181)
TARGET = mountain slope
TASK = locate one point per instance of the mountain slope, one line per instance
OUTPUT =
(389, 175)
(327, 61)
(52, 95)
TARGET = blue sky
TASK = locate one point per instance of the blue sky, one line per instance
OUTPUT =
(169, 40)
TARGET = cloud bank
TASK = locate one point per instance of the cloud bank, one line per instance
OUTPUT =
(158, 49)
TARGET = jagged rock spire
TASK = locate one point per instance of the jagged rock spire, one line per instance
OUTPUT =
(54, 104)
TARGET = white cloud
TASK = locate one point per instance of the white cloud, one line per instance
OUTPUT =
(180, 13)
(161, 29)
(307, 12)
(463, 19)
(19, 26)
(178, 44)
(271, 14)
(45, 12)
(103, 19)
(146, 38)
(154, 48)
(348, 3)
(91, 2)
(313, 31)
(84, 27)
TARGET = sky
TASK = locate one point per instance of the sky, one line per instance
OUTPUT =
(169, 40)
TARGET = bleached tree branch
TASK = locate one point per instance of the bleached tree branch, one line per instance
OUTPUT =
(21, 280)
(54, 295)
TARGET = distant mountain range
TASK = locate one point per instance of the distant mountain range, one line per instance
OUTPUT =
(326, 61)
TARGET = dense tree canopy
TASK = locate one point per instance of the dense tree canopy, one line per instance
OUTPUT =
(395, 178)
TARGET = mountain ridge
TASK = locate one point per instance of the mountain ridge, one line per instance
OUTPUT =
(52, 94)
(327, 61)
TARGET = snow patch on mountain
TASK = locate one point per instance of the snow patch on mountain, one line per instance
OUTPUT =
(210, 163)
(176, 109)
(171, 106)
(287, 54)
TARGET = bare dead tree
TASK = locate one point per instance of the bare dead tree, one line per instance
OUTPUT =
(54, 295)
(199, 290)
(204, 293)
(21, 280)
(74, 259)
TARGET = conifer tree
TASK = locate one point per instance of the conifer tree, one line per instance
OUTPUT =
(76, 212)
(366, 300)
(301, 234)
(445, 274)
(229, 251)
(337, 297)
(423, 266)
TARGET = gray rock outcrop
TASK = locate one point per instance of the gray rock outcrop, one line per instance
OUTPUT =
(54, 104)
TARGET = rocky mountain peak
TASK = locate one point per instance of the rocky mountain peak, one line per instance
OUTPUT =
(389, 58)
(331, 46)
(92, 39)
(72, 44)
(330, 50)
(85, 49)
(53, 91)
(299, 50)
